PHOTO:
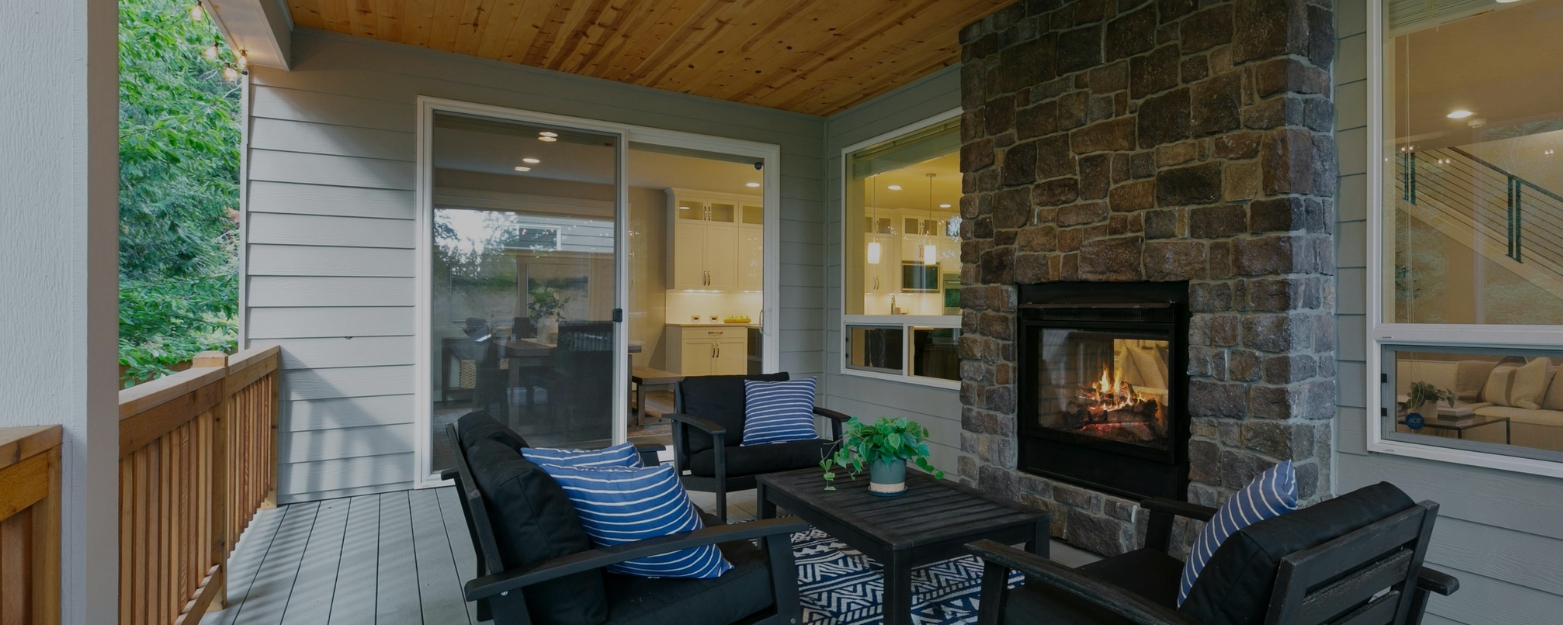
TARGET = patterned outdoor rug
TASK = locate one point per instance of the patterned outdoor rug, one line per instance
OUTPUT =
(839, 586)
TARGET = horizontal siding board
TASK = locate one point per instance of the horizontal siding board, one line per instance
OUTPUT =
(281, 323)
(291, 291)
(316, 445)
(340, 171)
(347, 382)
(1485, 600)
(328, 475)
(298, 260)
(325, 353)
(296, 136)
(331, 108)
(308, 199)
(1498, 553)
(282, 229)
(349, 412)
(1524, 503)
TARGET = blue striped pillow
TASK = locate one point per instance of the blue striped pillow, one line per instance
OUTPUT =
(778, 412)
(1270, 495)
(622, 505)
(620, 455)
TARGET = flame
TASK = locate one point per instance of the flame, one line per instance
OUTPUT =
(1110, 393)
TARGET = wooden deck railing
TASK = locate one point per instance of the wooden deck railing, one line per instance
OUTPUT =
(197, 458)
(30, 524)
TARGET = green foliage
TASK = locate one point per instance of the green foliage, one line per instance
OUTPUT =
(178, 189)
(1423, 392)
(546, 302)
(888, 439)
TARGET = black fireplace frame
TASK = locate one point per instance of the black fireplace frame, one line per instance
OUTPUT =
(1114, 467)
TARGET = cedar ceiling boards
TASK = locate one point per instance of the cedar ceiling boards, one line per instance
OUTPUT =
(817, 57)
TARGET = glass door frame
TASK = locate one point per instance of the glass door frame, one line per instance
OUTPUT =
(766, 153)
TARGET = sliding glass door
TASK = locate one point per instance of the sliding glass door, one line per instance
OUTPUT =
(523, 280)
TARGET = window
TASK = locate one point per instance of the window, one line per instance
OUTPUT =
(1468, 303)
(901, 260)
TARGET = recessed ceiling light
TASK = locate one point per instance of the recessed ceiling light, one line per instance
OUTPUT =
(895, 187)
(752, 185)
(944, 206)
(548, 139)
(518, 168)
(530, 161)
(1459, 114)
(545, 133)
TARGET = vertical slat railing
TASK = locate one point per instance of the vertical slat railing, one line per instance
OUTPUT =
(184, 448)
(30, 524)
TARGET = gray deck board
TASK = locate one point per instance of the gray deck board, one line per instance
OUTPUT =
(397, 601)
(369, 560)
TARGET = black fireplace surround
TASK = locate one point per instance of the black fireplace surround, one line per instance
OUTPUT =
(1104, 385)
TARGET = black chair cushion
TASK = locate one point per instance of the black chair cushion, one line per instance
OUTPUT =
(738, 593)
(757, 459)
(720, 400)
(479, 426)
(534, 522)
(1147, 572)
(1235, 586)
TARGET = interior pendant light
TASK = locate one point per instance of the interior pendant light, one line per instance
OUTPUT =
(873, 246)
(873, 252)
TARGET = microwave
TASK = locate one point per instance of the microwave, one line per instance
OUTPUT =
(919, 278)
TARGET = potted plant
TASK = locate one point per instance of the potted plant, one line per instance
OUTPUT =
(546, 309)
(885, 447)
(1423, 399)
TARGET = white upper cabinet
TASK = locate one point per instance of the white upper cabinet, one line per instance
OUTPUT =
(715, 241)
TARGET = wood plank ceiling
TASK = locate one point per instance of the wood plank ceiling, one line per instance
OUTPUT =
(810, 56)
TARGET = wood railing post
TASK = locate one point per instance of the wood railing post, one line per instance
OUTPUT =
(30, 524)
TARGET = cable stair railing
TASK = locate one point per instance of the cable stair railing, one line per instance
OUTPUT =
(1506, 218)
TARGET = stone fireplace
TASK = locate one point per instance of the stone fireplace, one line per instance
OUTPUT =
(1164, 141)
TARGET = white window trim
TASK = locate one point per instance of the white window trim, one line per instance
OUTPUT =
(1381, 333)
(906, 322)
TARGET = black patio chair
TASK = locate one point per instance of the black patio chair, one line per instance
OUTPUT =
(708, 433)
(1352, 560)
(530, 570)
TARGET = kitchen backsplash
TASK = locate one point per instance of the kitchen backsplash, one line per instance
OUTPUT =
(683, 304)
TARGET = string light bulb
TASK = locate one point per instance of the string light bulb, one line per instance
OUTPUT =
(230, 73)
(244, 61)
(211, 52)
(197, 12)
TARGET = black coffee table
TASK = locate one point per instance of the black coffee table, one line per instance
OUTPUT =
(929, 523)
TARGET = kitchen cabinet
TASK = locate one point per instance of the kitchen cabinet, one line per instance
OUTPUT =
(883, 277)
(751, 248)
(706, 241)
(708, 350)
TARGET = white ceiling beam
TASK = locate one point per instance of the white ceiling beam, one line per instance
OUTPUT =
(261, 28)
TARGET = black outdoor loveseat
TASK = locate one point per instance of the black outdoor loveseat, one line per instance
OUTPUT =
(537, 565)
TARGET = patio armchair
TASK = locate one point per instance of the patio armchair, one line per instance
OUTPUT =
(708, 431)
(516, 585)
(1356, 560)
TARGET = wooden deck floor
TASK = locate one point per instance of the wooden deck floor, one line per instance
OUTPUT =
(390, 559)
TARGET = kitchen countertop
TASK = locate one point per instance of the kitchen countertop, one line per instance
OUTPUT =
(707, 324)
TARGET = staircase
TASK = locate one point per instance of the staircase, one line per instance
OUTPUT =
(1507, 219)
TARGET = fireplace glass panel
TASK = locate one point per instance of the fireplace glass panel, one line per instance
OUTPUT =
(1107, 385)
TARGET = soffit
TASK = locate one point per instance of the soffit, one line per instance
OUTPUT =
(817, 57)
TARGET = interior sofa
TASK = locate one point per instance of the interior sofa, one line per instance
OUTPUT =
(1532, 400)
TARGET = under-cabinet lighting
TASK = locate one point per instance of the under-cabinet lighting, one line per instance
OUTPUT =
(944, 206)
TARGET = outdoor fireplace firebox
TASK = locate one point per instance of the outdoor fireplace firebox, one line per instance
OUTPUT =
(1103, 385)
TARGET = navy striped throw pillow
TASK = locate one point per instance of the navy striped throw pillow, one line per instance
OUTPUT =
(778, 412)
(620, 455)
(1270, 495)
(623, 505)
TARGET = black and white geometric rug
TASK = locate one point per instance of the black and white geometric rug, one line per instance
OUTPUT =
(839, 586)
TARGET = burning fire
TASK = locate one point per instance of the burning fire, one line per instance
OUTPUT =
(1110, 393)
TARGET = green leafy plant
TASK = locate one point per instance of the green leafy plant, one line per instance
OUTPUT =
(864, 444)
(178, 190)
(546, 302)
(1423, 392)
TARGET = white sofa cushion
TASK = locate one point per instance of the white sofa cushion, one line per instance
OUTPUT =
(1521, 415)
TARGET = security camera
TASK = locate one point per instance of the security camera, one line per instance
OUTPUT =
(759, 165)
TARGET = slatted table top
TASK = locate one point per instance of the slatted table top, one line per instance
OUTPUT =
(931, 511)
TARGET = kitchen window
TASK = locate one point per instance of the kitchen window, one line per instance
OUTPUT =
(1466, 308)
(901, 260)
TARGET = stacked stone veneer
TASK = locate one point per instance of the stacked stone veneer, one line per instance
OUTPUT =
(1159, 140)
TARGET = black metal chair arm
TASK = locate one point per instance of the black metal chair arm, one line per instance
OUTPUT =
(449, 474)
(1040, 570)
(1179, 508)
(1433, 580)
(491, 585)
(648, 453)
(709, 427)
